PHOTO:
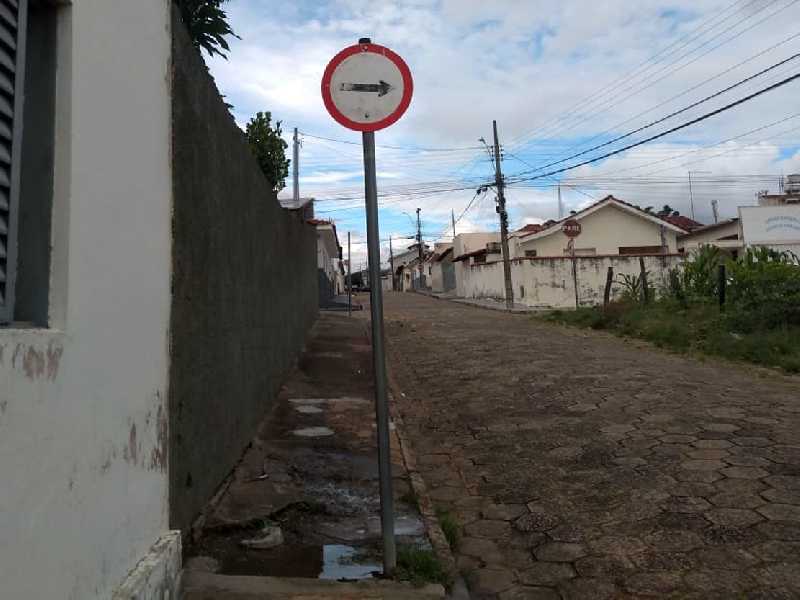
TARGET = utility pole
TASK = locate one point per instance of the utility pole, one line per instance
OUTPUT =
(453, 220)
(391, 261)
(691, 194)
(715, 210)
(501, 208)
(419, 247)
(296, 169)
(560, 204)
(349, 280)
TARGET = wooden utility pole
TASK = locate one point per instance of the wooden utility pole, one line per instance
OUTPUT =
(349, 280)
(501, 209)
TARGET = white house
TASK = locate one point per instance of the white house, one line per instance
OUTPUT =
(329, 258)
(725, 235)
(608, 227)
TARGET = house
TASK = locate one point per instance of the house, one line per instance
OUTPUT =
(609, 227)
(152, 295)
(441, 268)
(469, 249)
(408, 269)
(329, 260)
(725, 235)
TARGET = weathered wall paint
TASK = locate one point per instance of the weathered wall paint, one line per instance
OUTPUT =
(245, 289)
(550, 282)
(83, 498)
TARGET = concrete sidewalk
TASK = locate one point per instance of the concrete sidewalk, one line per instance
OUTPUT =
(301, 511)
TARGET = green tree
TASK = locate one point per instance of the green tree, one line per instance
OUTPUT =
(208, 25)
(269, 149)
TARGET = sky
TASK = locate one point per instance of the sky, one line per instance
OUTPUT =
(559, 78)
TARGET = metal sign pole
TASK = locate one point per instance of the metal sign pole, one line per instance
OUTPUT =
(378, 357)
(349, 280)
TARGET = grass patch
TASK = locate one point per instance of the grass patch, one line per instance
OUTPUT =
(449, 527)
(702, 328)
(420, 566)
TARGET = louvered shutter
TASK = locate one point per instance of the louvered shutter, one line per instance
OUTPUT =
(13, 22)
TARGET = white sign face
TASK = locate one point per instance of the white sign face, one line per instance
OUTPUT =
(366, 87)
(770, 224)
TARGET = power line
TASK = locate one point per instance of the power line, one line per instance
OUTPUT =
(409, 148)
(708, 115)
(672, 114)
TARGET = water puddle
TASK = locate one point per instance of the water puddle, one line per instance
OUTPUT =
(313, 432)
(344, 562)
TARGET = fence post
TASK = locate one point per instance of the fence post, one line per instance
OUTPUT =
(722, 283)
(607, 292)
(643, 276)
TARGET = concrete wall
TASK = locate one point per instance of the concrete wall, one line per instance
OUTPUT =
(605, 230)
(550, 282)
(464, 243)
(699, 238)
(245, 289)
(83, 415)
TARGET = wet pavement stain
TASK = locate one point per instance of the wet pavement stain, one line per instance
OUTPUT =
(312, 471)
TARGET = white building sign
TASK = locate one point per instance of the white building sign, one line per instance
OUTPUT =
(768, 225)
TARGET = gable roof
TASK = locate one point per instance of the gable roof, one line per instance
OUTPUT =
(683, 222)
(607, 201)
(712, 226)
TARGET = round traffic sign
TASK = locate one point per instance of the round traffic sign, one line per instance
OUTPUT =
(571, 228)
(367, 87)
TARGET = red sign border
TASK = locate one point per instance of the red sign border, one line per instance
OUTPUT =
(408, 87)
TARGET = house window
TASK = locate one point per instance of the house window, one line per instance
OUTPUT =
(27, 135)
(530, 253)
(641, 249)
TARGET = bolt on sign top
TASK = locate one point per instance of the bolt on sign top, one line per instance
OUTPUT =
(571, 228)
(367, 87)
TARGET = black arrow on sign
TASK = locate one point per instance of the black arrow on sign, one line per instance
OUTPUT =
(382, 88)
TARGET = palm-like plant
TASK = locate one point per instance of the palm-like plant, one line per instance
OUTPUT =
(208, 25)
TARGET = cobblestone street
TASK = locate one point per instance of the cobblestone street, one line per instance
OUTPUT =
(579, 465)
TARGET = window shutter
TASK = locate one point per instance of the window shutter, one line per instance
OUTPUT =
(13, 22)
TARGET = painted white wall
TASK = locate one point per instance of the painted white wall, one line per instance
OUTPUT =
(605, 230)
(83, 413)
(550, 282)
(770, 225)
(464, 243)
(713, 236)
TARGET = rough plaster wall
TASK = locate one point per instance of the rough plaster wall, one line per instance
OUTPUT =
(550, 282)
(244, 285)
(83, 424)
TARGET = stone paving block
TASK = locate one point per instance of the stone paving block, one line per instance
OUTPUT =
(504, 512)
(675, 540)
(780, 512)
(693, 488)
(536, 521)
(778, 551)
(780, 530)
(751, 441)
(546, 573)
(712, 444)
(782, 496)
(733, 517)
(486, 528)
(703, 465)
(783, 482)
(491, 580)
(698, 476)
(721, 427)
(677, 438)
(744, 472)
(736, 500)
(708, 454)
(530, 593)
(740, 486)
(653, 584)
(584, 588)
(560, 552)
(746, 461)
(686, 504)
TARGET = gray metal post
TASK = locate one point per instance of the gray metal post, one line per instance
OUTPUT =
(349, 280)
(296, 170)
(378, 357)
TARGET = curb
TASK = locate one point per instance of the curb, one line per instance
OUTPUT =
(441, 547)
